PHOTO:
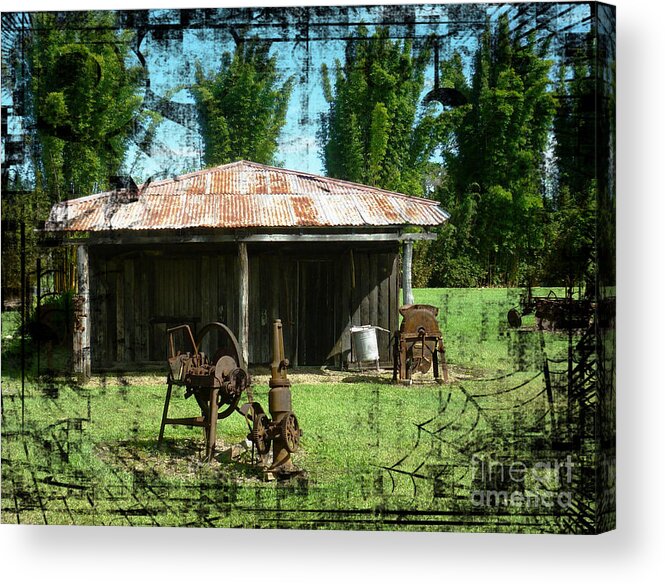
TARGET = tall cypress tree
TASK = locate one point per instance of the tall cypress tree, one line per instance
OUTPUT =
(374, 131)
(495, 165)
(242, 107)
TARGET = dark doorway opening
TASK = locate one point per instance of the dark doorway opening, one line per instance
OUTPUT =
(316, 317)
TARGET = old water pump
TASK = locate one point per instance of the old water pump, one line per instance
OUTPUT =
(281, 429)
(218, 383)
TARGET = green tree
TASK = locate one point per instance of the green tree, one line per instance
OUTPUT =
(242, 107)
(374, 131)
(573, 204)
(19, 207)
(494, 159)
(85, 100)
(452, 256)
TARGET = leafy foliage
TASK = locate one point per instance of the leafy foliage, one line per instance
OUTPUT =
(85, 100)
(374, 132)
(494, 152)
(571, 233)
(242, 107)
(27, 209)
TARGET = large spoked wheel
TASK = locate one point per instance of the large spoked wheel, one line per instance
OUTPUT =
(228, 363)
(290, 431)
(229, 346)
(225, 405)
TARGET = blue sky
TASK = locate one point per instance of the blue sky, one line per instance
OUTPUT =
(171, 63)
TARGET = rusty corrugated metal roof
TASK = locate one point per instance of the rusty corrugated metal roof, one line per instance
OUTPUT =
(244, 195)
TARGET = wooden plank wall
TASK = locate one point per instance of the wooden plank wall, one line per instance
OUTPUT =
(369, 289)
(135, 295)
(272, 294)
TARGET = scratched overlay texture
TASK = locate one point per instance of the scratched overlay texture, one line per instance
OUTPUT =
(529, 448)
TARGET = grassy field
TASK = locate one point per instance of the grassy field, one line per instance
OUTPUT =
(375, 455)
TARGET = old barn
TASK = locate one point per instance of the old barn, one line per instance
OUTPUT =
(242, 244)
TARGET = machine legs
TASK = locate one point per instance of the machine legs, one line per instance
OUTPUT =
(444, 363)
(208, 420)
(211, 425)
(403, 358)
(169, 388)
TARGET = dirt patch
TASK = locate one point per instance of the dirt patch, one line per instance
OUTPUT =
(300, 376)
(181, 459)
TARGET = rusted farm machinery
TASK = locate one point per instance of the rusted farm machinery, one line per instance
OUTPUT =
(283, 430)
(552, 312)
(418, 345)
(218, 384)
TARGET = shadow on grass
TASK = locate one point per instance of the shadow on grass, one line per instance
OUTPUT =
(55, 364)
(360, 378)
(178, 458)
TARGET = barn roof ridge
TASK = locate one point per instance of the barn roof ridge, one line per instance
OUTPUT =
(246, 194)
(268, 168)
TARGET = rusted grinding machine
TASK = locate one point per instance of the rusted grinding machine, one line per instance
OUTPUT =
(217, 384)
(283, 430)
(418, 344)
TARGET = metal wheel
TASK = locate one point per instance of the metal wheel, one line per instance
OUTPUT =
(260, 435)
(227, 411)
(290, 430)
(228, 363)
(232, 348)
(514, 318)
(226, 406)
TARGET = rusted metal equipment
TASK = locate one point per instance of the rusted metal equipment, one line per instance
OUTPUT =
(283, 430)
(418, 344)
(216, 383)
(552, 312)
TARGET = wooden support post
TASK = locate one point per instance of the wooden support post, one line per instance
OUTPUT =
(243, 302)
(407, 259)
(82, 316)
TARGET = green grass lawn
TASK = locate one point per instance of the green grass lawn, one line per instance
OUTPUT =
(376, 455)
